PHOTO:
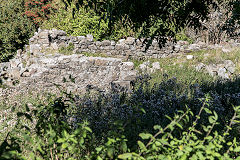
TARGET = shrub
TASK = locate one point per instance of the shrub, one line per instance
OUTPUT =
(38, 10)
(16, 29)
(84, 22)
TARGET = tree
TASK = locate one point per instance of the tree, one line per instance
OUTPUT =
(159, 19)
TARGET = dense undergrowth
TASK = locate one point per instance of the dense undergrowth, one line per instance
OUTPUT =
(153, 122)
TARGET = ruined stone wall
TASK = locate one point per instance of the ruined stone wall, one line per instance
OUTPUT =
(129, 47)
(76, 73)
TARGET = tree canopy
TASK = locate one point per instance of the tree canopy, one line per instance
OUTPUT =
(154, 18)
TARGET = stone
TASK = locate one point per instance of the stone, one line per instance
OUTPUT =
(226, 50)
(43, 34)
(177, 47)
(26, 74)
(200, 66)
(183, 42)
(92, 47)
(229, 63)
(106, 43)
(43, 41)
(54, 46)
(59, 32)
(109, 48)
(48, 61)
(15, 73)
(98, 43)
(190, 57)
(19, 52)
(101, 62)
(73, 39)
(127, 75)
(212, 69)
(202, 44)
(121, 41)
(14, 63)
(113, 43)
(143, 67)
(64, 38)
(130, 40)
(230, 66)
(231, 69)
(194, 47)
(34, 48)
(80, 38)
(156, 66)
(89, 37)
(119, 46)
(222, 72)
(127, 66)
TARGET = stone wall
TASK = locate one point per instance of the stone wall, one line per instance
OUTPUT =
(75, 73)
(129, 47)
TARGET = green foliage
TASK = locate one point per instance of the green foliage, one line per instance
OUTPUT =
(38, 10)
(44, 132)
(156, 18)
(16, 29)
(182, 36)
(66, 50)
(84, 22)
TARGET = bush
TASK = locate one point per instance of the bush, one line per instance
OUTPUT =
(16, 29)
(38, 10)
(84, 22)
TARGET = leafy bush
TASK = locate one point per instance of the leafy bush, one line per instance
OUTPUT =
(16, 29)
(182, 36)
(84, 22)
(38, 10)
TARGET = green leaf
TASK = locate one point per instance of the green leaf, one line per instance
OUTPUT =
(237, 149)
(99, 158)
(216, 116)
(179, 125)
(65, 134)
(169, 117)
(40, 149)
(98, 149)
(73, 140)
(157, 127)
(64, 145)
(124, 146)
(211, 119)
(88, 129)
(207, 111)
(229, 143)
(143, 110)
(110, 152)
(125, 156)
(145, 135)
(142, 146)
(60, 140)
